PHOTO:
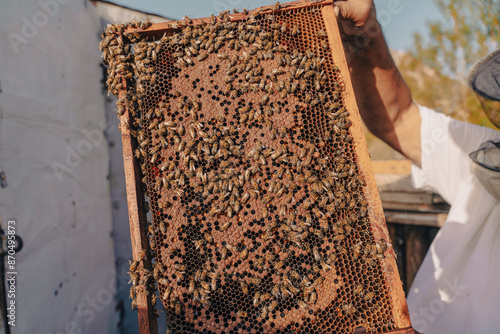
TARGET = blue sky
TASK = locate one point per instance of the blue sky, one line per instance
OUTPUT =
(399, 18)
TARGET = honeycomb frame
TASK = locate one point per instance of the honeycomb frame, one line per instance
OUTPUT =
(284, 315)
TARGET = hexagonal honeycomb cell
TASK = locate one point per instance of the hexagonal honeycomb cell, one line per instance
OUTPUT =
(260, 222)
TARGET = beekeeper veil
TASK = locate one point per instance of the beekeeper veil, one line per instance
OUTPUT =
(484, 79)
(486, 167)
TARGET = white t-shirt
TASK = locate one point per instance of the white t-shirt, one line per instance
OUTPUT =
(457, 289)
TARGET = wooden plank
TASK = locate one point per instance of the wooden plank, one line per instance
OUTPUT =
(424, 208)
(417, 245)
(407, 197)
(138, 222)
(422, 219)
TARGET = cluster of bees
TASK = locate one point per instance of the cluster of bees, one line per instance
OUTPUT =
(306, 195)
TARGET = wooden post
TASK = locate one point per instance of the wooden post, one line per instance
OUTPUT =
(398, 243)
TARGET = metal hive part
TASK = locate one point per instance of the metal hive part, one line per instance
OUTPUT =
(265, 214)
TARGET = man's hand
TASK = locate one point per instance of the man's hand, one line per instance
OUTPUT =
(355, 16)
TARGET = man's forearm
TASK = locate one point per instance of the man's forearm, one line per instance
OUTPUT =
(383, 98)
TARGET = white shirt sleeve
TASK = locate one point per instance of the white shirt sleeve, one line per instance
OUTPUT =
(446, 145)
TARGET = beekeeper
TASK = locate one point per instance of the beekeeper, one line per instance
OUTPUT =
(456, 289)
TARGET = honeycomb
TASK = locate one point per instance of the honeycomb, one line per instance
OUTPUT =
(260, 222)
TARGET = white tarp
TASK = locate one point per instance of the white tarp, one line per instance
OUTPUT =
(56, 162)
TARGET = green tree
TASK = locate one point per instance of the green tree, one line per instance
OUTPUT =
(471, 30)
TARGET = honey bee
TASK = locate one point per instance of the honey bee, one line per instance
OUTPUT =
(322, 33)
(231, 248)
(358, 289)
(166, 294)
(180, 267)
(282, 132)
(182, 62)
(225, 226)
(272, 305)
(177, 308)
(318, 281)
(302, 305)
(229, 211)
(208, 237)
(313, 297)
(339, 237)
(317, 255)
(264, 100)
(213, 211)
(198, 275)
(325, 266)
(205, 285)
(242, 314)
(349, 308)
(253, 194)
(280, 264)
(341, 250)
(256, 280)
(244, 254)
(381, 246)
(269, 256)
(133, 307)
(369, 296)
(133, 266)
(265, 212)
(283, 209)
(263, 312)
(317, 212)
(233, 94)
(256, 298)
(323, 224)
(259, 261)
(223, 253)
(172, 251)
(284, 290)
(244, 287)
(267, 199)
(191, 286)
(199, 243)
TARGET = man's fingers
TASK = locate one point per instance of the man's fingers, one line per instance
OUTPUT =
(336, 10)
(342, 9)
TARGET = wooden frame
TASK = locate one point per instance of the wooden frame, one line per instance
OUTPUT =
(136, 201)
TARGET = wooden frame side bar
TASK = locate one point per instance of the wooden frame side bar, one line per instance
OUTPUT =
(138, 221)
(375, 211)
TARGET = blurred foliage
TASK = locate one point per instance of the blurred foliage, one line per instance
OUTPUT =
(437, 68)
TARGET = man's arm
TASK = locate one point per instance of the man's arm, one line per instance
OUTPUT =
(383, 98)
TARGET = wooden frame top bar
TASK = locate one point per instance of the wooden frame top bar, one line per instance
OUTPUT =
(157, 30)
